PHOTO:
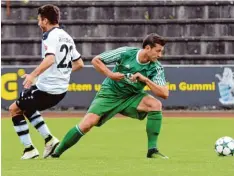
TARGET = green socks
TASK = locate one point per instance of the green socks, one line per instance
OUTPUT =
(70, 139)
(153, 127)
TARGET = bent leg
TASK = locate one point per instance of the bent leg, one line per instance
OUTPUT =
(34, 101)
(20, 125)
(31, 102)
(154, 120)
(101, 110)
(37, 121)
(75, 134)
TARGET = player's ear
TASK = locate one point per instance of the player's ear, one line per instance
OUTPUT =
(147, 47)
(46, 21)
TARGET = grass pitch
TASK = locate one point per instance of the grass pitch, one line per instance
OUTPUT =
(119, 149)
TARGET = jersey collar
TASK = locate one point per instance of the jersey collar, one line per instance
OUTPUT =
(45, 34)
(137, 59)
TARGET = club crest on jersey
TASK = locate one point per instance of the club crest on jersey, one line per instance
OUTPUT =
(127, 66)
(127, 78)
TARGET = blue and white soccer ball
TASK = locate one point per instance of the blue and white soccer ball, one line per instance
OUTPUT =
(224, 146)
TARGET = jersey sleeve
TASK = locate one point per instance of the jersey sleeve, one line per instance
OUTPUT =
(158, 77)
(112, 55)
(50, 44)
(75, 54)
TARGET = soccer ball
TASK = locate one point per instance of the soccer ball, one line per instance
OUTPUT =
(224, 146)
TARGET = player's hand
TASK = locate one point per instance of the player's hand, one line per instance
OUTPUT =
(116, 76)
(28, 81)
(138, 77)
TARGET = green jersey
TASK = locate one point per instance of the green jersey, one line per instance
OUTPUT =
(127, 62)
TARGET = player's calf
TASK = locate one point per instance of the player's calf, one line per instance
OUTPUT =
(76, 133)
(21, 128)
(154, 121)
(70, 139)
(38, 122)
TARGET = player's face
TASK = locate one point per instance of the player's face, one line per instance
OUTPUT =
(154, 53)
(42, 23)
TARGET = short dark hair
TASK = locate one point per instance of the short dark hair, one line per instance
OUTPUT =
(152, 39)
(51, 12)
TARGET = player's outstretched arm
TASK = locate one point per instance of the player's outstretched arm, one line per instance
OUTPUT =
(102, 68)
(45, 64)
(77, 65)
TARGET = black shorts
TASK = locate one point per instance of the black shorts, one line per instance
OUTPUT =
(33, 99)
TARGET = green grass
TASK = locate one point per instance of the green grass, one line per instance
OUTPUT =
(119, 148)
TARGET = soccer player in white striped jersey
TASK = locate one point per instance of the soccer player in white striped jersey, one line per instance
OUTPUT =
(60, 58)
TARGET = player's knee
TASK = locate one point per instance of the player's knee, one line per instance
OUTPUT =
(14, 110)
(155, 105)
(11, 110)
(88, 123)
(86, 126)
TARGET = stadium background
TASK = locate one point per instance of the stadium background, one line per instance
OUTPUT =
(200, 46)
(199, 63)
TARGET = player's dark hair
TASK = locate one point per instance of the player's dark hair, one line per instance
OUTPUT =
(51, 12)
(152, 40)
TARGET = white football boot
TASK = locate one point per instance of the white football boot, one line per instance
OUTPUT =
(50, 147)
(30, 153)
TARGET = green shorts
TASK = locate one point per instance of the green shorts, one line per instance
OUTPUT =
(107, 106)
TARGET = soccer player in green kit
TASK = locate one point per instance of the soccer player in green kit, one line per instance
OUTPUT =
(122, 92)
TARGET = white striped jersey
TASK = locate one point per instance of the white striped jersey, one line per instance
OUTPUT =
(55, 79)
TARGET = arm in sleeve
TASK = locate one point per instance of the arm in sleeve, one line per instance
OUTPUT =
(50, 44)
(158, 77)
(112, 56)
(75, 54)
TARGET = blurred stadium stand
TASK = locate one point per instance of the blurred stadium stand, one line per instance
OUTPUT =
(199, 32)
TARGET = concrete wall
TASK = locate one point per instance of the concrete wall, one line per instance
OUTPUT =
(197, 32)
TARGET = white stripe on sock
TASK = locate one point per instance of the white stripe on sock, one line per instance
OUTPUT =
(36, 113)
(43, 130)
(37, 120)
(26, 140)
(21, 128)
(79, 130)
